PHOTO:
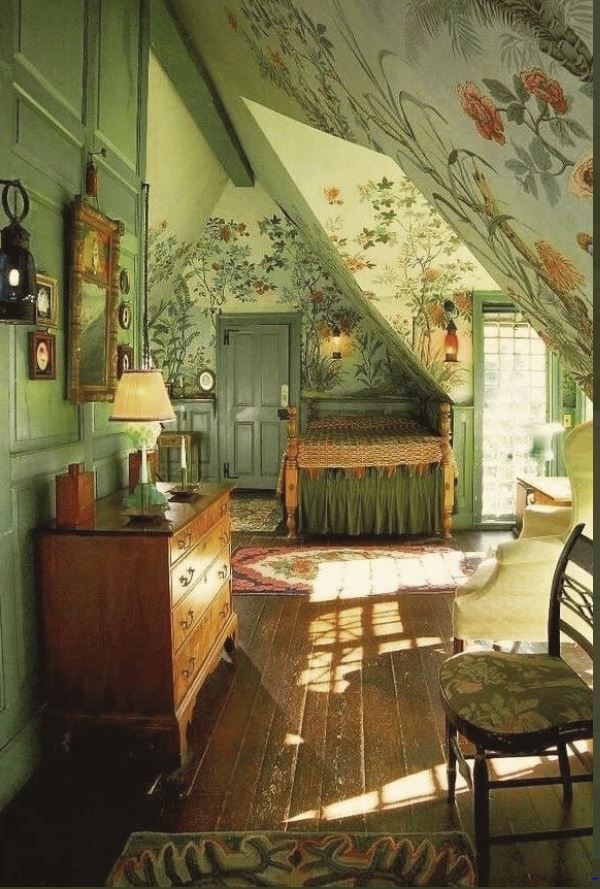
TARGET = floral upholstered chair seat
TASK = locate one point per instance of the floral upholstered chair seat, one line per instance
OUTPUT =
(512, 694)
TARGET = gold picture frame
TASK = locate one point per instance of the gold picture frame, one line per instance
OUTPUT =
(46, 301)
(93, 299)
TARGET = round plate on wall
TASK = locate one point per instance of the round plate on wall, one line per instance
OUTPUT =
(206, 381)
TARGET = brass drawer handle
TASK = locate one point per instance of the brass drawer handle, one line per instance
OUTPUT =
(185, 542)
(186, 579)
(224, 610)
(223, 572)
(187, 623)
(190, 669)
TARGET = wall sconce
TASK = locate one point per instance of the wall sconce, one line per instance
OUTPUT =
(17, 269)
(451, 338)
(336, 334)
(91, 173)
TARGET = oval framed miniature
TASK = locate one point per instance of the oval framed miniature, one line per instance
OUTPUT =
(124, 281)
(125, 316)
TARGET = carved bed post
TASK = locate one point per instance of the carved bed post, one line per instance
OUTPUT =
(447, 471)
(291, 472)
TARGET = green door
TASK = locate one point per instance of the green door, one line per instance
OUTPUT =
(256, 364)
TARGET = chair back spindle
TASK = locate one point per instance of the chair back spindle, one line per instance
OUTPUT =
(571, 600)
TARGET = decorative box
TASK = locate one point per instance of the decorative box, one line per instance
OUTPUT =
(75, 503)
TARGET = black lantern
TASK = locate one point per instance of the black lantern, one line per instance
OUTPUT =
(17, 268)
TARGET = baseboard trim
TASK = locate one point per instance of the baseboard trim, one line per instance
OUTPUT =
(19, 759)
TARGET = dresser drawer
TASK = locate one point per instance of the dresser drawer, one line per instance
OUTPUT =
(185, 539)
(188, 610)
(191, 656)
(186, 573)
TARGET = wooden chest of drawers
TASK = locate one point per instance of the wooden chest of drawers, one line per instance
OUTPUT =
(135, 616)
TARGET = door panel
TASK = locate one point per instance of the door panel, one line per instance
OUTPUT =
(255, 365)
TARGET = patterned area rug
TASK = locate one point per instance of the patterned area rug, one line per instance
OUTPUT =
(349, 572)
(294, 860)
(255, 513)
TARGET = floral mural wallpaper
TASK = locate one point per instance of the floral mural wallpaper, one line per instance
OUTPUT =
(262, 260)
(500, 145)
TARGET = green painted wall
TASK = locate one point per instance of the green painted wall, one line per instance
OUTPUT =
(72, 80)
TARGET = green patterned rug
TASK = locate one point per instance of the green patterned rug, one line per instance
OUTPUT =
(244, 859)
(255, 513)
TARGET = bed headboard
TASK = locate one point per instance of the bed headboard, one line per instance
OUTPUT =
(321, 407)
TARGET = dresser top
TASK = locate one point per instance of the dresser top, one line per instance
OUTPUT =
(111, 519)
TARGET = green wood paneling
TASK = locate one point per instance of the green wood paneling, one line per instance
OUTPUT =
(51, 44)
(118, 76)
(71, 80)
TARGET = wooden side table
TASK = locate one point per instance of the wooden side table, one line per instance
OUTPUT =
(549, 490)
(172, 440)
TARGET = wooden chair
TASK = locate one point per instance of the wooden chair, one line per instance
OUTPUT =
(509, 704)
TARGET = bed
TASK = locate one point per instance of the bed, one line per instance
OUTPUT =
(369, 473)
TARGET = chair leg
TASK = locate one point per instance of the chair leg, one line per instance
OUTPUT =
(481, 798)
(459, 645)
(565, 771)
(450, 760)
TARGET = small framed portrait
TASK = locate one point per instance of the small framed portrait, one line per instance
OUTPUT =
(42, 352)
(124, 359)
(125, 316)
(46, 302)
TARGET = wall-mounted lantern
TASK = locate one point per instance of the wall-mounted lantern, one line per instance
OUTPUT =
(18, 289)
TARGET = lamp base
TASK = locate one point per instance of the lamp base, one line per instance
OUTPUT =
(146, 502)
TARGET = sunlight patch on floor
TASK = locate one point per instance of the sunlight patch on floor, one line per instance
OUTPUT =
(385, 574)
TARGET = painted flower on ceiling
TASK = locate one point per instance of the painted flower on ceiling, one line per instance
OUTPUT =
(559, 269)
(483, 111)
(332, 195)
(582, 177)
(539, 84)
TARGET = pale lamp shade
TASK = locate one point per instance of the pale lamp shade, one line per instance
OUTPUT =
(142, 397)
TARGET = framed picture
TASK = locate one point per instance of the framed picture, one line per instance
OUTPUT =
(93, 304)
(124, 359)
(125, 316)
(46, 302)
(42, 352)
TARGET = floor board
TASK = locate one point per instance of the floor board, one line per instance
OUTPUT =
(328, 717)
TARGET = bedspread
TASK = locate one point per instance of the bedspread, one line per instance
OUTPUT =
(379, 442)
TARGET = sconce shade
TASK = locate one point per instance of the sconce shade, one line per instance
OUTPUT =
(451, 342)
(142, 397)
(17, 276)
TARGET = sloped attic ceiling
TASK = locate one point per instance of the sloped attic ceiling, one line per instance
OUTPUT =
(485, 105)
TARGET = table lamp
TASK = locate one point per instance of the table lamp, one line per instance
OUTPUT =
(142, 397)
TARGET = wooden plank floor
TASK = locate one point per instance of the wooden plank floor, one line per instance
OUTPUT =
(327, 718)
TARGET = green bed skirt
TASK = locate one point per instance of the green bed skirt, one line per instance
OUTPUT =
(337, 502)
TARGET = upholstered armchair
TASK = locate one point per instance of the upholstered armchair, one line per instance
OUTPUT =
(507, 597)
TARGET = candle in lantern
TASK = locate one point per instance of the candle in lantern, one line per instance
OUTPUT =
(183, 455)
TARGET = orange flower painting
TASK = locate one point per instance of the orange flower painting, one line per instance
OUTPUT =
(483, 111)
(559, 269)
(538, 84)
